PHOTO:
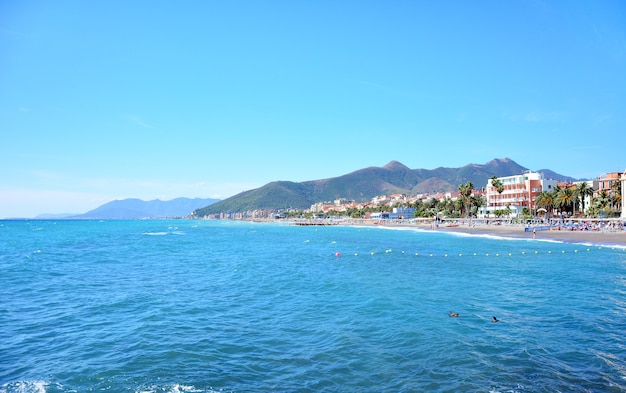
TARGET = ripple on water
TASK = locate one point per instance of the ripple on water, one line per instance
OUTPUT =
(212, 306)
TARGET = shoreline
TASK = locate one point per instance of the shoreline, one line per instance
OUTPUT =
(598, 238)
(517, 231)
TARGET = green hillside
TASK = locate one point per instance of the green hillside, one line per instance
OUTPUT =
(364, 184)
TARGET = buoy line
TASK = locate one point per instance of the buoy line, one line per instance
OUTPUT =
(476, 254)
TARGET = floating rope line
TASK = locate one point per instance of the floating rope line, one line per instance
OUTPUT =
(475, 254)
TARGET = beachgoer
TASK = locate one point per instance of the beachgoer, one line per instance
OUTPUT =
(453, 314)
(495, 320)
(534, 232)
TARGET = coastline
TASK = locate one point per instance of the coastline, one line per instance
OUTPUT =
(600, 238)
(603, 237)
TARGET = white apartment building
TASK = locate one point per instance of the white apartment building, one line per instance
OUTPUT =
(520, 191)
(594, 184)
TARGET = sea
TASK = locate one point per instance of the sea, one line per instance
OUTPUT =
(157, 306)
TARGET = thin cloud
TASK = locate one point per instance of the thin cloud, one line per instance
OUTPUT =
(392, 90)
(48, 176)
(138, 121)
(604, 120)
(612, 41)
(149, 189)
(544, 117)
(538, 117)
(23, 202)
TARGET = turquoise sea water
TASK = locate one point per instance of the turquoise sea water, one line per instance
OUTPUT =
(209, 306)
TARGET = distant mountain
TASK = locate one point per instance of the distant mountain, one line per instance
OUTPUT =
(553, 175)
(59, 216)
(281, 193)
(136, 208)
(364, 184)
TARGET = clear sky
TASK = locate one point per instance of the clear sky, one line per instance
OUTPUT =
(104, 100)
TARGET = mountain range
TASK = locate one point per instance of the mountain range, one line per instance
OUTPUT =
(136, 208)
(364, 184)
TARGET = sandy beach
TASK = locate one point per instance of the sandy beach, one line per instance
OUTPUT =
(605, 237)
(608, 237)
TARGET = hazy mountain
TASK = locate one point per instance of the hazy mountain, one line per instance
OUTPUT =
(136, 208)
(364, 184)
(46, 216)
(553, 175)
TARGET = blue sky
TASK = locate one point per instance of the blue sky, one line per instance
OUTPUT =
(104, 100)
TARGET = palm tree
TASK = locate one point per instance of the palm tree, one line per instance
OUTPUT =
(601, 200)
(565, 199)
(477, 201)
(459, 204)
(545, 200)
(466, 192)
(583, 190)
(497, 184)
(616, 189)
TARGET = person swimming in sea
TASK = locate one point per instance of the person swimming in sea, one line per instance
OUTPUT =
(495, 320)
(453, 314)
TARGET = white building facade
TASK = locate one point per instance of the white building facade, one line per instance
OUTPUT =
(593, 184)
(520, 191)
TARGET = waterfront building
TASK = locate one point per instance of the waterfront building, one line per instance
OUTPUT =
(609, 186)
(404, 212)
(519, 192)
(594, 185)
(609, 183)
